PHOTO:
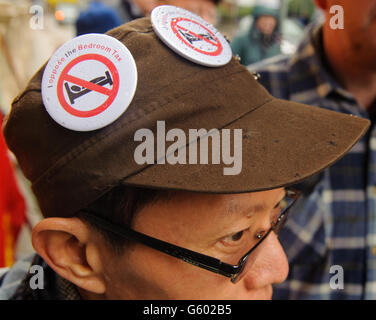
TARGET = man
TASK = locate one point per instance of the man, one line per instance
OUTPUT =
(262, 40)
(333, 69)
(170, 228)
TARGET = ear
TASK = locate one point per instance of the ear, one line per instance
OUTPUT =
(69, 247)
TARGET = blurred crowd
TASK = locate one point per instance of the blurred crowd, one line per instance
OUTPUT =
(269, 27)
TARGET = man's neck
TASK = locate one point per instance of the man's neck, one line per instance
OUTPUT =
(350, 71)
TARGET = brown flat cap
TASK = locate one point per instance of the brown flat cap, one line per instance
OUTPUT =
(283, 142)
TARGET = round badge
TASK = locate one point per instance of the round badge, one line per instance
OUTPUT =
(89, 82)
(191, 36)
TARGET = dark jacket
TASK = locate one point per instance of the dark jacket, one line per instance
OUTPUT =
(15, 283)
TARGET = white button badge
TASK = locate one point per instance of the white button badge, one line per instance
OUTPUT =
(191, 36)
(89, 82)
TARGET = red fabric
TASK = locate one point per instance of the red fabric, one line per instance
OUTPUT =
(12, 206)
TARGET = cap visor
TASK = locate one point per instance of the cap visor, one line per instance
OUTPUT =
(283, 143)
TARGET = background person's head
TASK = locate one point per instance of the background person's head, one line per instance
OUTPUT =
(266, 24)
(97, 18)
(266, 16)
(357, 39)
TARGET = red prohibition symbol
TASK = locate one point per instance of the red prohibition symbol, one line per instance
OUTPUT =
(216, 43)
(66, 77)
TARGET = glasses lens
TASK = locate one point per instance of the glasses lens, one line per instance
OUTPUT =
(280, 223)
(248, 261)
(285, 205)
(288, 200)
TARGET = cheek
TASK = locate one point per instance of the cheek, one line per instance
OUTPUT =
(359, 16)
(144, 273)
(182, 281)
(168, 278)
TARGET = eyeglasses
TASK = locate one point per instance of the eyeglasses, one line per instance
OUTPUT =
(235, 272)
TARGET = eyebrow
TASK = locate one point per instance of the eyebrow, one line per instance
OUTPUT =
(251, 209)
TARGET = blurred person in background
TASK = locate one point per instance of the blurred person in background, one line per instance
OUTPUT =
(97, 18)
(134, 9)
(334, 69)
(12, 206)
(262, 40)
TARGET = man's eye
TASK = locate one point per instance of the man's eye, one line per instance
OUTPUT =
(235, 240)
(235, 237)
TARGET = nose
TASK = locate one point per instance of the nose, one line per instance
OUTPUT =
(270, 265)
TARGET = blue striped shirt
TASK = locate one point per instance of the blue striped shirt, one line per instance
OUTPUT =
(334, 223)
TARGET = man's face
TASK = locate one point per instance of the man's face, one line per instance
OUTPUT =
(266, 24)
(359, 27)
(221, 226)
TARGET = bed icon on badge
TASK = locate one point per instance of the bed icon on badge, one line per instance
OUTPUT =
(76, 91)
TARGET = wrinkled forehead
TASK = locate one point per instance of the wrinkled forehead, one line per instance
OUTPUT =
(222, 205)
(205, 217)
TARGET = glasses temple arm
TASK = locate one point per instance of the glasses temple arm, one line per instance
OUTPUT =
(194, 258)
